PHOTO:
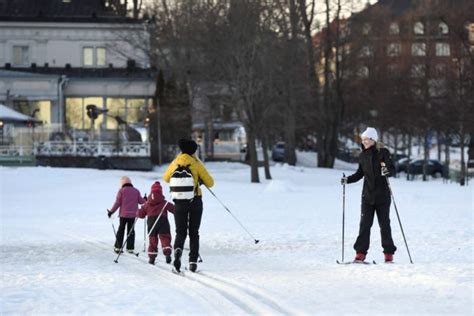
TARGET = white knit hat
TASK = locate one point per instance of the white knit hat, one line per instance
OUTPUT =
(371, 133)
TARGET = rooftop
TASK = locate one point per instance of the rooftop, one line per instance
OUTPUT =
(97, 11)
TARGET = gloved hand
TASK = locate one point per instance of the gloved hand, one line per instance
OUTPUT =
(344, 180)
(200, 182)
(385, 171)
(109, 213)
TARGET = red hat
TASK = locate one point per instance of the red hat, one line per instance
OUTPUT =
(156, 187)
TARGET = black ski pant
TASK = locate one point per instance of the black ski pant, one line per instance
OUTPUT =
(187, 216)
(120, 233)
(366, 220)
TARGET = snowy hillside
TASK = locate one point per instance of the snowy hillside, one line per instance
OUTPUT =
(56, 248)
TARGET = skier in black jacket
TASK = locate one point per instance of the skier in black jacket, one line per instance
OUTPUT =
(374, 165)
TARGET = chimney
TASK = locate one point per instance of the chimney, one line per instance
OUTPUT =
(8, 66)
(33, 65)
(68, 66)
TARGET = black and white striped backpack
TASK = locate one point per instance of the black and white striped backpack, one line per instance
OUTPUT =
(182, 184)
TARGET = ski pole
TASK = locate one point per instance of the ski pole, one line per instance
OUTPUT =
(343, 213)
(227, 209)
(199, 256)
(126, 240)
(144, 234)
(157, 219)
(144, 228)
(398, 216)
(113, 226)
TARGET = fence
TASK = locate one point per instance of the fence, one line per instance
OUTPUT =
(93, 149)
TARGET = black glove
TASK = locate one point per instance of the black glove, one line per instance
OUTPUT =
(109, 213)
(145, 197)
(344, 180)
(200, 182)
(385, 171)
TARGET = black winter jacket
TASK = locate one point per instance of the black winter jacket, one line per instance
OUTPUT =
(375, 189)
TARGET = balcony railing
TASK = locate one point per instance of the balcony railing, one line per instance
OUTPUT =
(93, 149)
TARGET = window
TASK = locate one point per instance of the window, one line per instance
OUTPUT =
(393, 70)
(21, 55)
(40, 110)
(116, 107)
(101, 56)
(418, 49)
(394, 29)
(366, 28)
(394, 49)
(76, 112)
(419, 28)
(130, 110)
(94, 56)
(440, 70)
(365, 51)
(43, 112)
(363, 72)
(136, 110)
(437, 87)
(443, 28)
(442, 49)
(418, 71)
(88, 56)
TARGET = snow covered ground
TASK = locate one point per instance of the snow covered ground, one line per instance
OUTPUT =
(56, 248)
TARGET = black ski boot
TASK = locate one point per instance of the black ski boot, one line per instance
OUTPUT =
(177, 259)
(168, 259)
(151, 260)
(193, 266)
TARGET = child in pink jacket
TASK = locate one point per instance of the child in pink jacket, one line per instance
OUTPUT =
(127, 200)
(156, 207)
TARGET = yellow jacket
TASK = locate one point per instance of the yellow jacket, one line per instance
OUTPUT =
(198, 171)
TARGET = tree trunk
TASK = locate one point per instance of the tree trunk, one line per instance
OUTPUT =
(462, 180)
(446, 159)
(438, 142)
(426, 156)
(395, 149)
(252, 148)
(290, 127)
(266, 159)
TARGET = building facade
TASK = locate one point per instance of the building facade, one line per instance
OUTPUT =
(61, 59)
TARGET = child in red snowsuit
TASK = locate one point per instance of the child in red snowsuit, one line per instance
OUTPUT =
(156, 207)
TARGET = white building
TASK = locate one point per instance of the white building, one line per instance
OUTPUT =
(58, 56)
(61, 61)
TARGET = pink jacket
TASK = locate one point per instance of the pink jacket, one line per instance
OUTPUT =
(127, 199)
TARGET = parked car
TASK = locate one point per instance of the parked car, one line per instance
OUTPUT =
(434, 167)
(278, 152)
(401, 165)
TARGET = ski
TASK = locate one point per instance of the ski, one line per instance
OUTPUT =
(180, 273)
(355, 262)
(136, 254)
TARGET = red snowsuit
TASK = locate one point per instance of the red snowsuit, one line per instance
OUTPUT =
(154, 206)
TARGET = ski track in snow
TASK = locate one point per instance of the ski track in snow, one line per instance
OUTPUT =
(245, 299)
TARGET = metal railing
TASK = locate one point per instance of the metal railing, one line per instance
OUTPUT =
(93, 149)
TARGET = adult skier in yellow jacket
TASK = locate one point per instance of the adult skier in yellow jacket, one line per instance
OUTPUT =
(188, 212)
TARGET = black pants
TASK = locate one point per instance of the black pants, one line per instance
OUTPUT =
(187, 216)
(366, 220)
(120, 233)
